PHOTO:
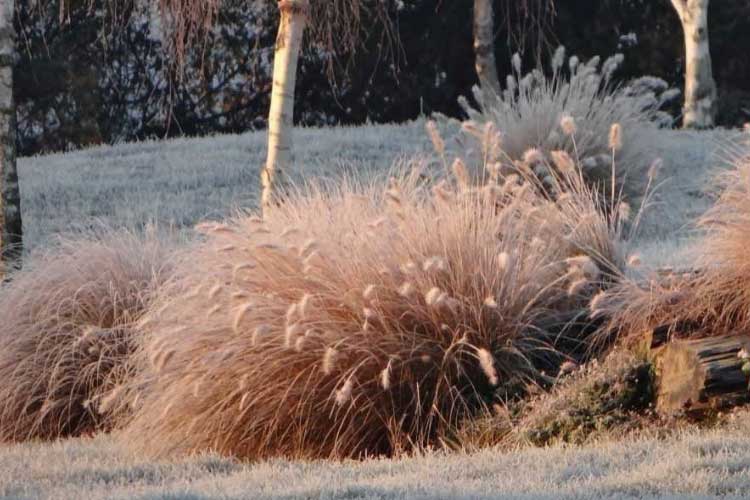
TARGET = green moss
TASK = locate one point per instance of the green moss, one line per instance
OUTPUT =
(612, 397)
(591, 405)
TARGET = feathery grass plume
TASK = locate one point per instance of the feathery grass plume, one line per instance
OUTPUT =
(407, 290)
(495, 171)
(370, 292)
(563, 161)
(568, 125)
(623, 211)
(292, 313)
(299, 344)
(533, 156)
(291, 333)
(503, 261)
(615, 137)
(107, 402)
(654, 169)
(328, 399)
(434, 297)
(67, 330)
(434, 134)
(573, 109)
(487, 362)
(344, 394)
(516, 61)
(577, 286)
(241, 314)
(385, 377)
(260, 332)
(442, 193)
(587, 266)
(596, 305)
(558, 60)
(434, 263)
(329, 360)
(461, 173)
(634, 261)
(304, 305)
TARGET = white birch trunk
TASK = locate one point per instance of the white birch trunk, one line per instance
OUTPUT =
(700, 88)
(294, 15)
(10, 201)
(484, 46)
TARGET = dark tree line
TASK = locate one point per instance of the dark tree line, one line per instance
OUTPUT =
(78, 82)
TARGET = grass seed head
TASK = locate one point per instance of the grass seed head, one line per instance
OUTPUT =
(568, 125)
(487, 362)
(344, 394)
(615, 137)
(434, 134)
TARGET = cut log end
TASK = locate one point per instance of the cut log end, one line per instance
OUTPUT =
(697, 375)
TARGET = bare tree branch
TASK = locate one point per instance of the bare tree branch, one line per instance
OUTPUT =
(681, 7)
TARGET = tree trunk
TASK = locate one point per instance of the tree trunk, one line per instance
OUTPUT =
(696, 375)
(484, 47)
(292, 25)
(700, 88)
(11, 230)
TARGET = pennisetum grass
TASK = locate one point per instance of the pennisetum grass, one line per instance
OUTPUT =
(67, 331)
(387, 317)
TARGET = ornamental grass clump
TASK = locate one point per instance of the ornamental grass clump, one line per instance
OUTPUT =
(367, 320)
(711, 299)
(573, 110)
(67, 331)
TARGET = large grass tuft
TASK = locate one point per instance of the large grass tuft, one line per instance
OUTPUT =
(360, 320)
(66, 331)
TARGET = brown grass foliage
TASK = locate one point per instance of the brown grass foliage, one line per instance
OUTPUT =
(360, 320)
(66, 331)
(711, 299)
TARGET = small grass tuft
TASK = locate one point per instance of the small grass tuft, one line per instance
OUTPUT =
(67, 331)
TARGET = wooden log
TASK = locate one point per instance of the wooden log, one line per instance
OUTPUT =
(654, 339)
(697, 375)
(657, 337)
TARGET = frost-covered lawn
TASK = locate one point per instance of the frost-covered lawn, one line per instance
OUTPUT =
(691, 465)
(184, 181)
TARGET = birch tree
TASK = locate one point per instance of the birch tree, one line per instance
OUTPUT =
(531, 12)
(334, 25)
(11, 229)
(700, 106)
(294, 17)
(484, 46)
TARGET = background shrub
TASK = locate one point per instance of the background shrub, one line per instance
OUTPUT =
(574, 110)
